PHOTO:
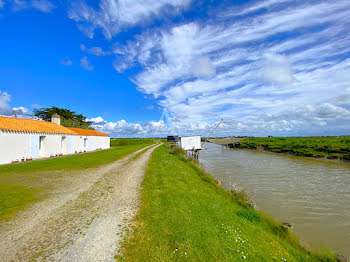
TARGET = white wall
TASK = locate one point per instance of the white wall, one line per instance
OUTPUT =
(102, 142)
(17, 145)
(93, 143)
(191, 142)
(14, 146)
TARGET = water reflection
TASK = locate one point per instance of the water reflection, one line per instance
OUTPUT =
(311, 194)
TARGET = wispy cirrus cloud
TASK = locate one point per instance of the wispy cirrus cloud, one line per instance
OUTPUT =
(114, 15)
(67, 61)
(97, 51)
(84, 62)
(289, 55)
(276, 66)
(42, 5)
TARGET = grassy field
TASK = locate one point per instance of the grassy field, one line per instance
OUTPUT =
(329, 147)
(24, 183)
(132, 141)
(186, 216)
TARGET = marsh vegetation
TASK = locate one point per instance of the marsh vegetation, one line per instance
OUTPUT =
(318, 147)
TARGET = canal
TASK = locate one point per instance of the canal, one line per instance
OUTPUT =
(311, 194)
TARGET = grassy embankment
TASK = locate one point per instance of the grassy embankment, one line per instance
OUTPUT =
(318, 147)
(186, 216)
(22, 184)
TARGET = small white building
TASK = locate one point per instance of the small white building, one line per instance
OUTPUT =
(27, 139)
(191, 143)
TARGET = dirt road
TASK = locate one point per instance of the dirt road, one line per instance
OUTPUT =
(83, 220)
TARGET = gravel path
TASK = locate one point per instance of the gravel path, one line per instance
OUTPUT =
(83, 220)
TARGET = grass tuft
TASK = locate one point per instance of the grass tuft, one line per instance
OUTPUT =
(249, 215)
(177, 151)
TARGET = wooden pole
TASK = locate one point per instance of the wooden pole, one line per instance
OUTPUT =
(221, 121)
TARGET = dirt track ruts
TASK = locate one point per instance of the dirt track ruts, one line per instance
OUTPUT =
(82, 222)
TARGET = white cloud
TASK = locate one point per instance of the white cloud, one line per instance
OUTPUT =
(6, 110)
(276, 69)
(97, 51)
(204, 70)
(19, 5)
(202, 67)
(42, 5)
(96, 120)
(322, 119)
(84, 62)
(257, 6)
(67, 61)
(309, 61)
(82, 47)
(21, 112)
(122, 128)
(113, 15)
(5, 99)
(35, 106)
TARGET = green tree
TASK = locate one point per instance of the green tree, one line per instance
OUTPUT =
(68, 117)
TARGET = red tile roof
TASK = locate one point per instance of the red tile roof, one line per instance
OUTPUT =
(38, 126)
(32, 126)
(86, 132)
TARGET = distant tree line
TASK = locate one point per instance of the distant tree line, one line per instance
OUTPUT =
(68, 117)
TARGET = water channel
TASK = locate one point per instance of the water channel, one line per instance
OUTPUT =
(311, 194)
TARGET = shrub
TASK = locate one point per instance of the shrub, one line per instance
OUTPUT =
(242, 197)
(346, 157)
(177, 151)
(123, 142)
(250, 215)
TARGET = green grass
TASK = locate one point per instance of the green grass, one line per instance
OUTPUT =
(329, 147)
(13, 198)
(25, 183)
(131, 141)
(186, 216)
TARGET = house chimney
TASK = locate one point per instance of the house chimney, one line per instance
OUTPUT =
(56, 119)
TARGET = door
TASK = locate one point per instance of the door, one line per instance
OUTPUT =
(69, 145)
(42, 146)
(64, 145)
(85, 143)
(34, 149)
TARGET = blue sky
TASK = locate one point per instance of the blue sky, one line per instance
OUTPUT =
(274, 67)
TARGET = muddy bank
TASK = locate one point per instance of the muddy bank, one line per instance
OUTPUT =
(291, 153)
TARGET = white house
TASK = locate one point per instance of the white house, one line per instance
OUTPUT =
(27, 139)
(191, 143)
